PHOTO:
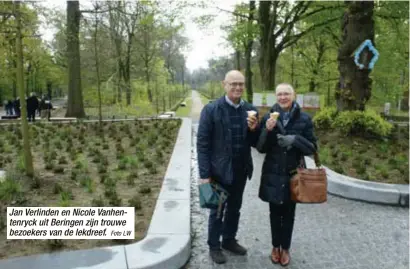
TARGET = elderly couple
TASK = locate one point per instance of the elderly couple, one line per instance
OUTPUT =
(225, 136)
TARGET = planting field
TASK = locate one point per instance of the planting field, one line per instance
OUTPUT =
(81, 164)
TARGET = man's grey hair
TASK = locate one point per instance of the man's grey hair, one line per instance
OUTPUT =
(285, 87)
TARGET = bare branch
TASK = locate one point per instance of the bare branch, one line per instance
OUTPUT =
(319, 10)
(233, 13)
(298, 9)
(94, 11)
(335, 38)
(290, 40)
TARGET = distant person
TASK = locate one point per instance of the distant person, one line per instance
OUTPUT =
(286, 137)
(32, 106)
(225, 136)
(8, 106)
(42, 105)
(46, 108)
(16, 105)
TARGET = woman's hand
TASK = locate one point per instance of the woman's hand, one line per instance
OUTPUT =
(270, 124)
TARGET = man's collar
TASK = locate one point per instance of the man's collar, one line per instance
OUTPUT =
(232, 103)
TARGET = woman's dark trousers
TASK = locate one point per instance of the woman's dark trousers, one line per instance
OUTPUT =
(282, 218)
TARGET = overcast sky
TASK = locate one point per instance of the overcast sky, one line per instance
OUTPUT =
(204, 44)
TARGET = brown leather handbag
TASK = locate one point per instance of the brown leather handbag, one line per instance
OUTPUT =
(309, 185)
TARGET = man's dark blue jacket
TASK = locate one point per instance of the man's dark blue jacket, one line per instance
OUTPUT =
(214, 142)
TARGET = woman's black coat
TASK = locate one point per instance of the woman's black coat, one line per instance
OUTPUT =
(280, 163)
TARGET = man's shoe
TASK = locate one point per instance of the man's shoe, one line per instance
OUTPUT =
(234, 247)
(217, 256)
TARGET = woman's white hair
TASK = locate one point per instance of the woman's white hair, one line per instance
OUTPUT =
(285, 87)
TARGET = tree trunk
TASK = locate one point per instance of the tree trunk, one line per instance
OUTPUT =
(127, 81)
(14, 88)
(75, 106)
(292, 67)
(97, 69)
(49, 86)
(354, 87)
(148, 80)
(268, 53)
(127, 71)
(316, 67)
(28, 84)
(238, 60)
(119, 81)
(28, 160)
(156, 96)
(248, 53)
(312, 85)
(267, 65)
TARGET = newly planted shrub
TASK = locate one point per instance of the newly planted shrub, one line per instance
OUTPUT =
(135, 201)
(145, 190)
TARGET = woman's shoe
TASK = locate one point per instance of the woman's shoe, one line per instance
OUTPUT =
(284, 258)
(275, 255)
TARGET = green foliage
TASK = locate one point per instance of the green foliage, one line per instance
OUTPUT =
(362, 123)
(324, 119)
(10, 189)
(212, 90)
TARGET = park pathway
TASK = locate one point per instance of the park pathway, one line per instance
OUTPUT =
(341, 234)
(196, 107)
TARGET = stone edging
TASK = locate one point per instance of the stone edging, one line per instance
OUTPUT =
(367, 191)
(168, 241)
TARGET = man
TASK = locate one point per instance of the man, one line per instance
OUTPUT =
(32, 106)
(17, 109)
(224, 140)
(9, 107)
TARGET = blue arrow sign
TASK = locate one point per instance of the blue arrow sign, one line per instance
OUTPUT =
(367, 43)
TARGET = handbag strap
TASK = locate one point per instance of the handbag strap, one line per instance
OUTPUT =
(316, 158)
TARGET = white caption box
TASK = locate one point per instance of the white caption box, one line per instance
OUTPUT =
(70, 223)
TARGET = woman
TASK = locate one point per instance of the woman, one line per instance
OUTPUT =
(285, 140)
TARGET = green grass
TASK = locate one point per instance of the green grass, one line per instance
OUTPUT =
(186, 110)
(120, 111)
(204, 100)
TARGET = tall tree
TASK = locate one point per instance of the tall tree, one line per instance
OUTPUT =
(117, 31)
(97, 59)
(75, 105)
(277, 20)
(28, 160)
(248, 51)
(354, 87)
(241, 35)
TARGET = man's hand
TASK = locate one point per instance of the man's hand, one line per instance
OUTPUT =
(285, 141)
(270, 124)
(252, 122)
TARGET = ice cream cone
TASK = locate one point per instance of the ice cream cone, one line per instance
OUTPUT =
(251, 113)
(274, 115)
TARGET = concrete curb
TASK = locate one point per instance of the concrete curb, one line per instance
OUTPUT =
(168, 240)
(367, 191)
